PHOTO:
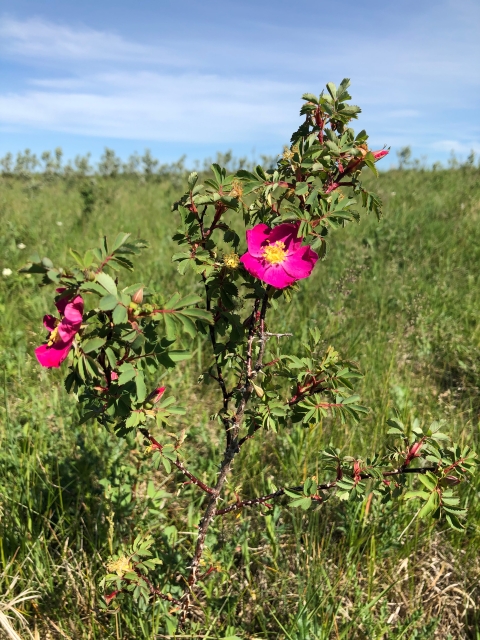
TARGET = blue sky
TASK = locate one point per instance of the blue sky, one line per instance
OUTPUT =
(195, 77)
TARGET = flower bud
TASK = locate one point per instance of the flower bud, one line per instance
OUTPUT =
(137, 297)
(157, 394)
(380, 154)
(415, 450)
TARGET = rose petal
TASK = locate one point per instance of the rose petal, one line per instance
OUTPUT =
(72, 321)
(300, 264)
(74, 311)
(276, 275)
(49, 322)
(67, 331)
(53, 356)
(273, 274)
(257, 239)
(286, 232)
(62, 303)
(254, 266)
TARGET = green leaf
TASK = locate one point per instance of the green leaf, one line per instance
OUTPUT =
(186, 301)
(439, 436)
(141, 388)
(127, 375)
(93, 344)
(396, 424)
(394, 431)
(430, 506)
(369, 160)
(454, 522)
(332, 90)
(170, 326)
(180, 354)
(107, 303)
(107, 282)
(417, 494)
(119, 315)
(428, 481)
(119, 240)
(301, 188)
(112, 359)
(188, 325)
(94, 287)
(291, 494)
(310, 97)
(77, 257)
(303, 503)
(201, 314)
(192, 180)
(133, 288)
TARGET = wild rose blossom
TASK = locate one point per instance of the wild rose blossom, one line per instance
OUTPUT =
(276, 256)
(62, 332)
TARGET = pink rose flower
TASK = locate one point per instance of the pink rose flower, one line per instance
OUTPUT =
(62, 332)
(276, 256)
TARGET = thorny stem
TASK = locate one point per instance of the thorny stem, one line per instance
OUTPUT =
(231, 448)
(208, 304)
(156, 592)
(323, 487)
(156, 445)
(220, 378)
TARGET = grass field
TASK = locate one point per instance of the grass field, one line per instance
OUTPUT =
(400, 296)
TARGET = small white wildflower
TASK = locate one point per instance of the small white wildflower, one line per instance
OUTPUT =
(462, 206)
(20, 245)
(394, 193)
(59, 223)
(6, 272)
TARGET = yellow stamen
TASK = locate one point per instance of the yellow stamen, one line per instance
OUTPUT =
(231, 261)
(53, 337)
(275, 253)
(120, 566)
(237, 189)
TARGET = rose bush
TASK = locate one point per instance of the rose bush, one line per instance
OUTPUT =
(130, 337)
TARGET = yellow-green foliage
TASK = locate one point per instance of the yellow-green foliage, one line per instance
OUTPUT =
(401, 296)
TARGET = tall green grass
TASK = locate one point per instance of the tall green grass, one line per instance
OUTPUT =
(400, 296)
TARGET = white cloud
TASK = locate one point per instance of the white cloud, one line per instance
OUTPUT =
(152, 106)
(412, 80)
(36, 38)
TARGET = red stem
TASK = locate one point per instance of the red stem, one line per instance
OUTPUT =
(323, 487)
(157, 445)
